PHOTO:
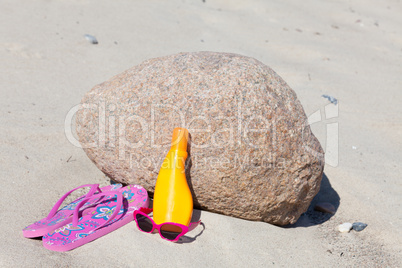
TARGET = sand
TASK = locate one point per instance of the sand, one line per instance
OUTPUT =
(351, 50)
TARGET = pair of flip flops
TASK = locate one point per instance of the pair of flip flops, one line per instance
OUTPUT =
(99, 212)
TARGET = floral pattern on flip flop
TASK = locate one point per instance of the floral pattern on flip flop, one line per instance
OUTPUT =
(57, 240)
(66, 211)
(128, 194)
(73, 205)
(67, 229)
(134, 197)
(56, 219)
(104, 212)
(115, 186)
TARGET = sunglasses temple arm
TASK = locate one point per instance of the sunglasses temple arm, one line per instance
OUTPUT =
(193, 225)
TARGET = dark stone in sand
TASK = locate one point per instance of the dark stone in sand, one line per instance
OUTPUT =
(359, 226)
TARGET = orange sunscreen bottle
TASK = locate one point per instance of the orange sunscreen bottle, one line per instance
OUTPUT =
(172, 198)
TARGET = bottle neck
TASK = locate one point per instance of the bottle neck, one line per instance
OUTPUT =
(179, 139)
(175, 160)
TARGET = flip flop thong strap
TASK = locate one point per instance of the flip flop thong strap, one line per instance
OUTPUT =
(111, 194)
(53, 211)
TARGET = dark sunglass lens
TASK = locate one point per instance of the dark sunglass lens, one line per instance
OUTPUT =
(170, 232)
(144, 223)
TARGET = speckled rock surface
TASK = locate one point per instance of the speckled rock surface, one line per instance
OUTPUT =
(252, 155)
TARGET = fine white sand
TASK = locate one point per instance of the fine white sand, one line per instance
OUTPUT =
(351, 50)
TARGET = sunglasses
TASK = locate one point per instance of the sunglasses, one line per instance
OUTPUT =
(168, 230)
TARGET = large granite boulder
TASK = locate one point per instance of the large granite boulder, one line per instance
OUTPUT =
(252, 155)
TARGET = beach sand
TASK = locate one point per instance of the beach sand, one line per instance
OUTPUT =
(350, 50)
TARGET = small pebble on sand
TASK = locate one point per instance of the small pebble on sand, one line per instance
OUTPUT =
(91, 39)
(325, 207)
(359, 226)
(345, 227)
(331, 99)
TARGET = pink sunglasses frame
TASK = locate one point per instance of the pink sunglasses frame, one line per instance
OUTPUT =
(145, 211)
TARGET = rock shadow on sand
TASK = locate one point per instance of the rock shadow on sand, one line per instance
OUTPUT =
(312, 217)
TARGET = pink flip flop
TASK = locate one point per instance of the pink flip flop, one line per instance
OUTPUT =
(58, 218)
(103, 219)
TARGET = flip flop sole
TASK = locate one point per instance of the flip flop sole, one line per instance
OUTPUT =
(61, 218)
(88, 228)
(91, 237)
